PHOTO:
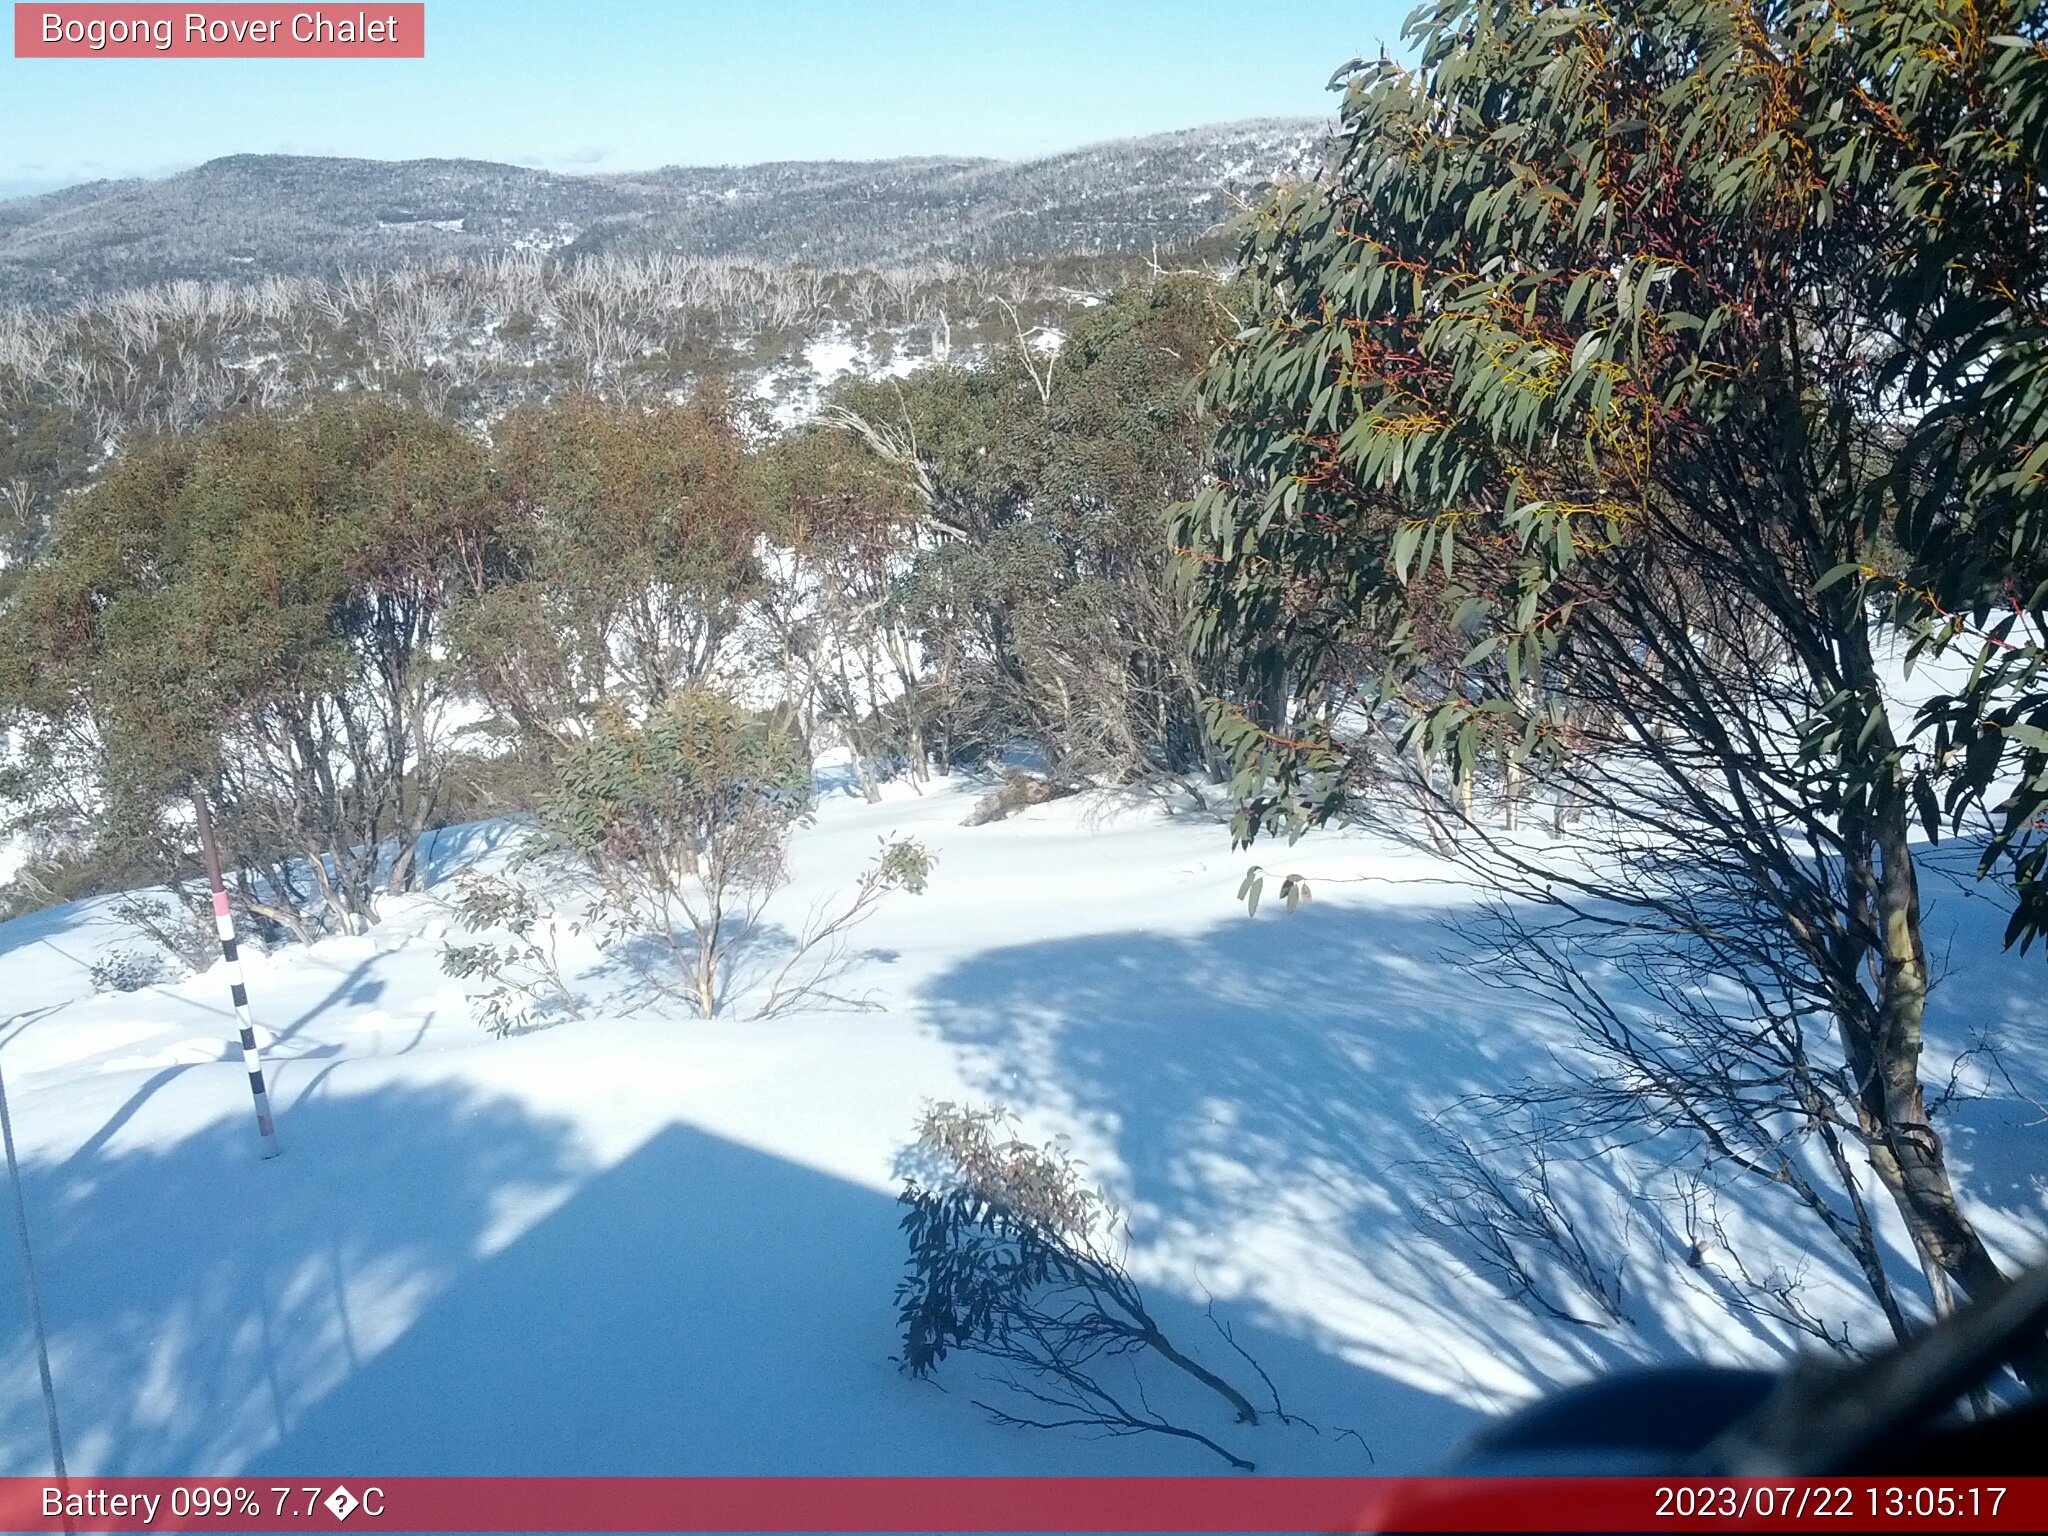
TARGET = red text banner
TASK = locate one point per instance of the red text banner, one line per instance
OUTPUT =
(234, 31)
(1198, 1504)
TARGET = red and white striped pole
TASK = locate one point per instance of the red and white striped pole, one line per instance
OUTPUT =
(224, 923)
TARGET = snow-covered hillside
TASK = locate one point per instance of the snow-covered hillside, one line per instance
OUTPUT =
(649, 1244)
(245, 217)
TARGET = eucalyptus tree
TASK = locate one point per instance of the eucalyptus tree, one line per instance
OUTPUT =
(1585, 428)
(1037, 580)
(254, 611)
(627, 563)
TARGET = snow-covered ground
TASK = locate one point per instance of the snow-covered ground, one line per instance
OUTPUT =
(652, 1244)
(793, 389)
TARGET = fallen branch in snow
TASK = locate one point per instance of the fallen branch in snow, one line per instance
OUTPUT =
(1094, 1407)
(1279, 1412)
(1017, 791)
(1011, 1258)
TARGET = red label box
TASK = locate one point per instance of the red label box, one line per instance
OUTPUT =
(112, 30)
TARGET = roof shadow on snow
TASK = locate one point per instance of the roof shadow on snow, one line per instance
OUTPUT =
(702, 1308)
(199, 1298)
(699, 1307)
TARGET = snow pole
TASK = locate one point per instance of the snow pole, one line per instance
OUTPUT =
(224, 924)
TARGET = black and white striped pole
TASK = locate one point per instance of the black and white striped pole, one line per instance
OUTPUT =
(224, 924)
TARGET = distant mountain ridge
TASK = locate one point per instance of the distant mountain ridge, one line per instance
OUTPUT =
(253, 215)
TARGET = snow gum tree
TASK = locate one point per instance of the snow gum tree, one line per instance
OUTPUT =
(683, 819)
(850, 646)
(1036, 581)
(1577, 435)
(676, 827)
(628, 561)
(251, 611)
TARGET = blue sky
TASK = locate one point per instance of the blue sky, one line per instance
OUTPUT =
(612, 85)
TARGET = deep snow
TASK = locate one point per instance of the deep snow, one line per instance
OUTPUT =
(654, 1244)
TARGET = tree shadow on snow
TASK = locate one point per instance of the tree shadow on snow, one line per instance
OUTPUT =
(1285, 1074)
